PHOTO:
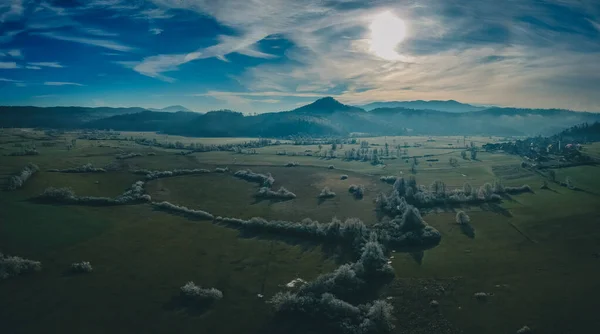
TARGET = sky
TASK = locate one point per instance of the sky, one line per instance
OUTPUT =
(259, 56)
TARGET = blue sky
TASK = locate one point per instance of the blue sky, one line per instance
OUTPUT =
(272, 55)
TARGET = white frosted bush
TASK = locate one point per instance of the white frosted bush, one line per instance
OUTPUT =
(81, 267)
(17, 181)
(326, 193)
(11, 266)
(192, 291)
(462, 218)
(182, 209)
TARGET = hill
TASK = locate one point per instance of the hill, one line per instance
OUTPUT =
(447, 106)
(324, 117)
(175, 108)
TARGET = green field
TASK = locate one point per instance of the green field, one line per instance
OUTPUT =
(537, 253)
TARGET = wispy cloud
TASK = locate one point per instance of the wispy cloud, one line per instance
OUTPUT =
(8, 65)
(15, 53)
(47, 64)
(11, 10)
(44, 96)
(29, 67)
(60, 83)
(155, 31)
(259, 94)
(108, 44)
(8, 80)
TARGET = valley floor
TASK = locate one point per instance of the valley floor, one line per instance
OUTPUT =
(537, 255)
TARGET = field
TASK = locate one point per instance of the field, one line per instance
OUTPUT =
(536, 254)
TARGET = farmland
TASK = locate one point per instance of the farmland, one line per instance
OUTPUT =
(535, 255)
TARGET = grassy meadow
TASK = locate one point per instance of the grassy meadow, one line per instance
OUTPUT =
(537, 254)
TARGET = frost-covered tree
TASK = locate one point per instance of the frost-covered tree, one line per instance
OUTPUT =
(462, 218)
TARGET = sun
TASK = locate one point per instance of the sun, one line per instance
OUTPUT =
(387, 31)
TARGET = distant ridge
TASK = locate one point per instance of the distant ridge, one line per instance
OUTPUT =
(439, 105)
(174, 108)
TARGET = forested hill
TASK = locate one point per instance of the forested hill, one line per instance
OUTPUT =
(324, 117)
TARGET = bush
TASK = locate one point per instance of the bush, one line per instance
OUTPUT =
(343, 177)
(153, 175)
(518, 190)
(222, 170)
(182, 209)
(282, 193)
(27, 151)
(128, 156)
(462, 218)
(326, 193)
(357, 190)
(11, 266)
(196, 293)
(291, 164)
(388, 179)
(81, 267)
(248, 175)
(330, 167)
(87, 168)
(17, 181)
(65, 195)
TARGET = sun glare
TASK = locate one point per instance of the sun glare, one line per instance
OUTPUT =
(387, 31)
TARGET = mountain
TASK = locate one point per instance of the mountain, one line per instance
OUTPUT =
(326, 105)
(324, 117)
(57, 117)
(447, 106)
(175, 108)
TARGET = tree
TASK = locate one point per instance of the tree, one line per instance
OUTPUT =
(463, 154)
(333, 146)
(552, 175)
(569, 183)
(453, 162)
(387, 150)
(473, 154)
(462, 218)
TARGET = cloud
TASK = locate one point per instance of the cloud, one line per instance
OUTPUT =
(8, 65)
(29, 67)
(15, 53)
(44, 96)
(47, 64)
(11, 10)
(155, 31)
(154, 14)
(259, 94)
(8, 80)
(108, 44)
(99, 32)
(59, 83)
(20, 84)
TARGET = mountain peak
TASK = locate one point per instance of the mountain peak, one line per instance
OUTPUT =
(326, 105)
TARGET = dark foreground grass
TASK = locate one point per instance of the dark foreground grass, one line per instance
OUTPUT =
(536, 253)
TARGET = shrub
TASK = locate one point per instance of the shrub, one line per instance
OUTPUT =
(81, 267)
(127, 156)
(331, 167)
(65, 195)
(17, 181)
(282, 193)
(27, 151)
(357, 190)
(291, 164)
(194, 292)
(87, 168)
(388, 179)
(569, 183)
(326, 193)
(462, 218)
(182, 209)
(248, 175)
(518, 190)
(222, 170)
(343, 177)
(153, 175)
(11, 266)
